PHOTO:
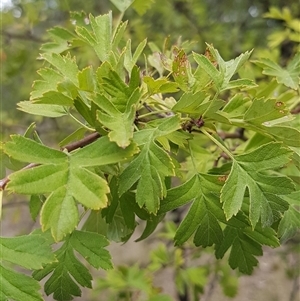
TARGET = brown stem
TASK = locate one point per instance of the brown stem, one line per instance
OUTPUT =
(70, 147)
(83, 142)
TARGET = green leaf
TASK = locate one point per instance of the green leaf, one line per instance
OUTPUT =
(130, 60)
(239, 84)
(264, 236)
(65, 65)
(152, 162)
(265, 191)
(76, 135)
(91, 247)
(35, 205)
(19, 287)
(30, 251)
(160, 85)
(226, 70)
(54, 98)
(120, 123)
(289, 224)
(86, 79)
(38, 180)
(243, 250)
(68, 272)
(150, 168)
(102, 29)
(54, 215)
(27, 150)
(287, 134)
(190, 103)
(119, 34)
(65, 178)
(209, 68)
(47, 110)
(236, 106)
(205, 213)
(102, 152)
(289, 76)
(49, 83)
(264, 110)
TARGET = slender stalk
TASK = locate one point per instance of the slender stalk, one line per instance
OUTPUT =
(220, 145)
(82, 124)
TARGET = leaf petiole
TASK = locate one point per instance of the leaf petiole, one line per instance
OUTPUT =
(82, 124)
(222, 147)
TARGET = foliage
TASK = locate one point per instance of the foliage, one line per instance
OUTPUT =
(185, 129)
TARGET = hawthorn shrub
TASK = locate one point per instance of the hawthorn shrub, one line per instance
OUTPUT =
(158, 131)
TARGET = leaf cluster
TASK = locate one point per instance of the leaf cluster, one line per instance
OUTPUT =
(231, 141)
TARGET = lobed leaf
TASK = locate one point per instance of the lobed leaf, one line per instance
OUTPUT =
(30, 251)
(16, 286)
(27, 150)
(265, 200)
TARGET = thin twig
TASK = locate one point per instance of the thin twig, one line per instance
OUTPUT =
(70, 147)
(83, 142)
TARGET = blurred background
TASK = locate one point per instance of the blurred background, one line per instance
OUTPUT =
(232, 26)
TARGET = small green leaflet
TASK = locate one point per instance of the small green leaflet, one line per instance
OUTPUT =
(101, 37)
(222, 77)
(290, 223)
(65, 177)
(62, 40)
(245, 245)
(265, 190)
(160, 85)
(47, 110)
(119, 122)
(129, 59)
(69, 272)
(31, 252)
(289, 76)
(18, 287)
(65, 65)
(190, 103)
(115, 89)
(264, 110)
(205, 212)
(150, 168)
(50, 80)
(243, 250)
